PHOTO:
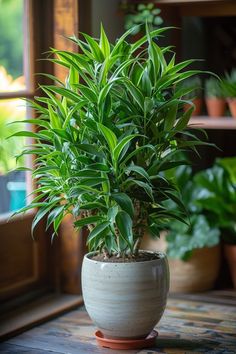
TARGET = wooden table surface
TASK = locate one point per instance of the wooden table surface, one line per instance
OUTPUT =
(204, 323)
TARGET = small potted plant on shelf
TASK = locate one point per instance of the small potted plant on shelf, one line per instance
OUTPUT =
(229, 90)
(217, 197)
(103, 144)
(214, 98)
(140, 13)
(193, 95)
(193, 249)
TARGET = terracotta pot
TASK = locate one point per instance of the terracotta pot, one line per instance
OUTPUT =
(230, 255)
(198, 107)
(215, 106)
(125, 300)
(232, 106)
(197, 274)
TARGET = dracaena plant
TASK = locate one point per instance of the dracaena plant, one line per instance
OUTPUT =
(106, 136)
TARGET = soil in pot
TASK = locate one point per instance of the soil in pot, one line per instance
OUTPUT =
(140, 257)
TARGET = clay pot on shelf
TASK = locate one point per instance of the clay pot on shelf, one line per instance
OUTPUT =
(215, 106)
(214, 97)
(198, 107)
(232, 106)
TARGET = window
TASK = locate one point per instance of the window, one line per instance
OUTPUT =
(30, 269)
(23, 265)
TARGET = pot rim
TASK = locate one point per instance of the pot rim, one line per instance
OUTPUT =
(162, 255)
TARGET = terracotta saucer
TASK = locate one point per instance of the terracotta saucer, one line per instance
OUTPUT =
(147, 342)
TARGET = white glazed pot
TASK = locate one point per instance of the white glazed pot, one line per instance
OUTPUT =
(125, 300)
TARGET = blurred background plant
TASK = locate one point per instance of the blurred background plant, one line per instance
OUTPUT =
(193, 87)
(11, 39)
(229, 84)
(182, 239)
(140, 13)
(214, 97)
(193, 248)
(217, 196)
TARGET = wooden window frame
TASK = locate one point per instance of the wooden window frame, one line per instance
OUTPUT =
(60, 18)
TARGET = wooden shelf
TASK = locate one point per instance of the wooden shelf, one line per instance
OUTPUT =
(206, 122)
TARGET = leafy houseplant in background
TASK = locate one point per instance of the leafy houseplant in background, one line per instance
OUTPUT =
(217, 196)
(214, 98)
(229, 90)
(193, 249)
(193, 85)
(100, 153)
(138, 14)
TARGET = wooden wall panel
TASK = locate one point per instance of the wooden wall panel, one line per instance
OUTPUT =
(66, 15)
(66, 18)
(23, 263)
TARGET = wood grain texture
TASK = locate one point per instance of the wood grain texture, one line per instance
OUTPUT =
(38, 311)
(65, 13)
(189, 325)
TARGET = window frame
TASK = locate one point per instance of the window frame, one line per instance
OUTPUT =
(63, 259)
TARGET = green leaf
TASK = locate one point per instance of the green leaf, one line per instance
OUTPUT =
(124, 201)
(183, 121)
(171, 116)
(124, 225)
(98, 230)
(139, 170)
(104, 43)
(93, 205)
(25, 133)
(145, 186)
(99, 167)
(97, 53)
(54, 214)
(120, 146)
(90, 149)
(108, 135)
(86, 221)
(40, 214)
(135, 92)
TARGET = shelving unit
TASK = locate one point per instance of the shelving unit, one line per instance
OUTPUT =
(173, 11)
(213, 122)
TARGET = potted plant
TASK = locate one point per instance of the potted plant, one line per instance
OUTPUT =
(217, 196)
(229, 90)
(103, 144)
(193, 249)
(214, 98)
(140, 13)
(193, 94)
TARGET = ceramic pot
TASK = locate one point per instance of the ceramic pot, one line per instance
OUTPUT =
(215, 106)
(232, 106)
(230, 255)
(125, 300)
(199, 273)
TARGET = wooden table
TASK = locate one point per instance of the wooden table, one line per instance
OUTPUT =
(204, 323)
